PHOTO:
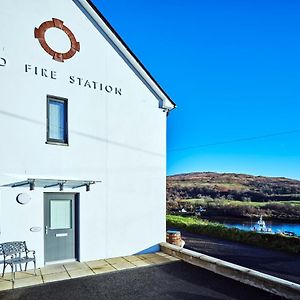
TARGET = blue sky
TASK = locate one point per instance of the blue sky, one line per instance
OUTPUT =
(233, 68)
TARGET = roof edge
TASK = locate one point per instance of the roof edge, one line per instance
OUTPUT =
(115, 38)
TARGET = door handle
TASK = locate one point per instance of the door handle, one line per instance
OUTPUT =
(46, 229)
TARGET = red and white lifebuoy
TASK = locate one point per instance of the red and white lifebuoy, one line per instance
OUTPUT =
(39, 33)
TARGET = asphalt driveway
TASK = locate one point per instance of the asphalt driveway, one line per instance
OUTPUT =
(277, 263)
(176, 280)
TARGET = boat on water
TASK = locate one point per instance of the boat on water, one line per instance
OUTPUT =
(288, 233)
(199, 210)
(261, 227)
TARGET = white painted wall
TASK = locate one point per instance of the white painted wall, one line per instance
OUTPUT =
(120, 140)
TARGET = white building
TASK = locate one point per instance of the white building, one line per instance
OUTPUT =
(83, 129)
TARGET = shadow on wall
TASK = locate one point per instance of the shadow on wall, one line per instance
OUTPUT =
(89, 136)
(152, 249)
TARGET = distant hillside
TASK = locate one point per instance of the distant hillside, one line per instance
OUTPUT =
(232, 186)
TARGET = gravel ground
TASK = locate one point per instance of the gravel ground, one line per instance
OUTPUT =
(176, 280)
(276, 263)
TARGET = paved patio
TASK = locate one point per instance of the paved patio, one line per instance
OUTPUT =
(71, 270)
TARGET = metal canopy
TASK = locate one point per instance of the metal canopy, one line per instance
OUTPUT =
(33, 183)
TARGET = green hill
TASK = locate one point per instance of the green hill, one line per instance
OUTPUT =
(232, 186)
(234, 195)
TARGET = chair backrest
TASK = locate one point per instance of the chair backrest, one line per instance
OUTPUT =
(10, 248)
(1, 250)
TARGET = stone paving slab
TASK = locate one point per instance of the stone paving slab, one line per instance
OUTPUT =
(76, 269)
(5, 285)
(76, 266)
(124, 265)
(52, 269)
(132, 258)
(117, 260)
(94, 264)
(104, 269)
(80, 273)
(28, 281)
(141, 263)
(22, 274)
(56, 277)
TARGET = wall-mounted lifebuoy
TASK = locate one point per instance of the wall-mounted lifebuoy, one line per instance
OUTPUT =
(39, 33)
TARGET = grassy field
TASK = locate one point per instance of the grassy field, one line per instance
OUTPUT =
(222, 202)
(288, 211)
(198, 226)
(196, 183)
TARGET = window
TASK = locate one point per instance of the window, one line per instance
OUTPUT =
(60, 214)
(57, 120)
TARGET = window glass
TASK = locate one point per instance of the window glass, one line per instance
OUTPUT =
(60, 214)
(57, 122)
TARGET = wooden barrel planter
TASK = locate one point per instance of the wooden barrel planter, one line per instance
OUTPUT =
(174, 238)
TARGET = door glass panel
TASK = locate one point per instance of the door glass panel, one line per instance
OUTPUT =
(60, 214)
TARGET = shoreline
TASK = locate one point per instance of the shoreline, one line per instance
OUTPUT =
(218, 230)
(253, 218)
(250, 219)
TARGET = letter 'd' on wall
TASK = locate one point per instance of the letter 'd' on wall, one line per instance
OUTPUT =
(2, 62)
(39, 33)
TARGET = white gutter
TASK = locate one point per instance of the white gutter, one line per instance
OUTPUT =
(167, 104)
